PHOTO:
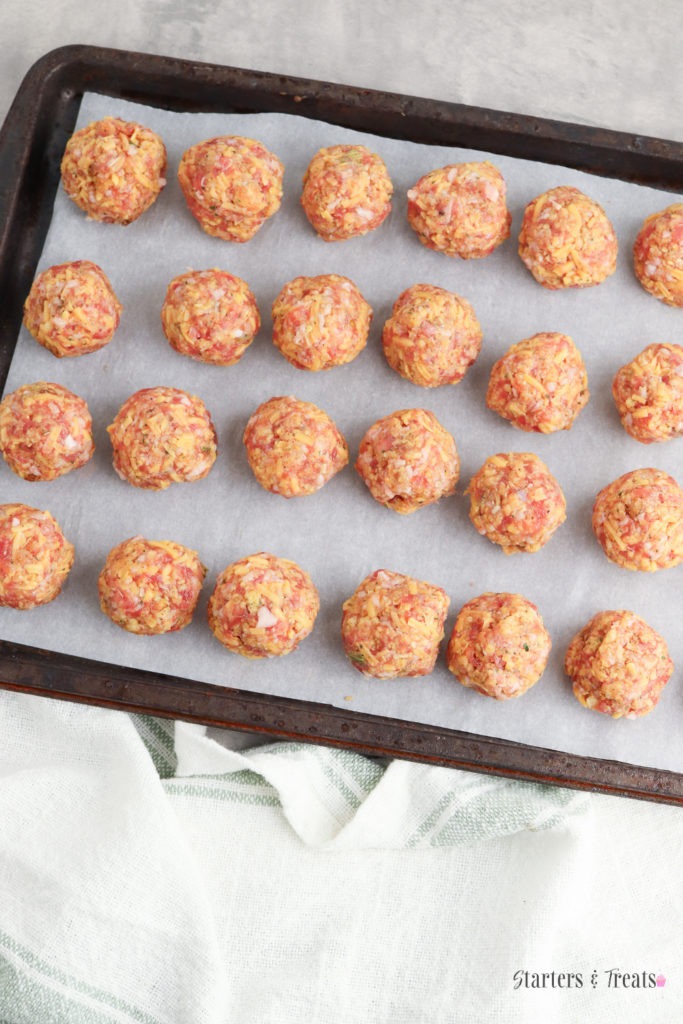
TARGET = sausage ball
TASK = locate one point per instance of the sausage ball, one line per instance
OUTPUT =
(648, 393)
(161, 436)
(432, 336)
(293, 447)
(320, 322)
(460, 209)
(211, 316)
(263, 606)
(45, 431)
(346, 192)
(658, 255)
(71, 309)
(35, 557)
(114, 169)
(618, 664)
(392, 625)
(499, 645)
(567, 240)
(408, 460)
(638, 520)
(150, 586)
(231, 185)
(516, 502)
(540, 384)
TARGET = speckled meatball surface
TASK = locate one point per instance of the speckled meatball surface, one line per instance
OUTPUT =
(114, 169)
(499, 645)
(320, 322)
(408, 460)
(71, 309)
(618, 665)
(432, 337)
(392, 625)
(232, 185)
(638, 520)
(293, 447)
(540, 384)
(263, 606)
(150, 587)
(162, 436)
(460, 209)
(648, 393)
(658, 255)
(516, 502)
(45, 431)
(567, 240)
(35, 557)
(346, 192)
(211, 316)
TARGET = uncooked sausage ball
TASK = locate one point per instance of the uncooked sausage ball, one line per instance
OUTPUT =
(618, 664)
(638, 520)
(567, 240)
(432, 337)
(648, 393)
(516, 502)
(460, 209)
(658, 255)
(320, 322)
(114, 169)
(150, 586)
(346, 192)
(161, 436)
(408, 460)
(263, 606)
(293, 447)
(392, 625)
(35, 557)
(45, 431)
(540, 384)
(211, 316)
(499, 645)
(71, 309)
(232, 185)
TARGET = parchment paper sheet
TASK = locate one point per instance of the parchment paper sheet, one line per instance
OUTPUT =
(340, 534)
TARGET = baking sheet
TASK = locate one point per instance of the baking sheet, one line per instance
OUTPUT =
(340, 534)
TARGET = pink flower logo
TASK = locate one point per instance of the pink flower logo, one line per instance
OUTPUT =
(660, 980)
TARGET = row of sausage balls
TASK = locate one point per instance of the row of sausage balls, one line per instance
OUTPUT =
(114, 170)
(392, 625)
(431, 339)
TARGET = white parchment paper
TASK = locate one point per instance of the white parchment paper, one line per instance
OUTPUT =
(340, 534)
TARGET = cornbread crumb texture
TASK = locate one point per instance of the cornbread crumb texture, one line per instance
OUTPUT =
(566, 240)
(516, 502)
(231, 185)
(320, 322)
(499, 645)
(346, 192)
(392, 625)
(618, 665)
(460, 209)
(638, 520)
(658, 255)
(45, 431)
(648, 393)
(408, 460)
(71, 309)
(293, 447)
(432, 337)
(35, 557)
(540, 384)
(150, 587)
(114, 169)
(210, 316)
(161, 436)
(263, 606)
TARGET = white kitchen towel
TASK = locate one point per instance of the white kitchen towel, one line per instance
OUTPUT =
(148, 874)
